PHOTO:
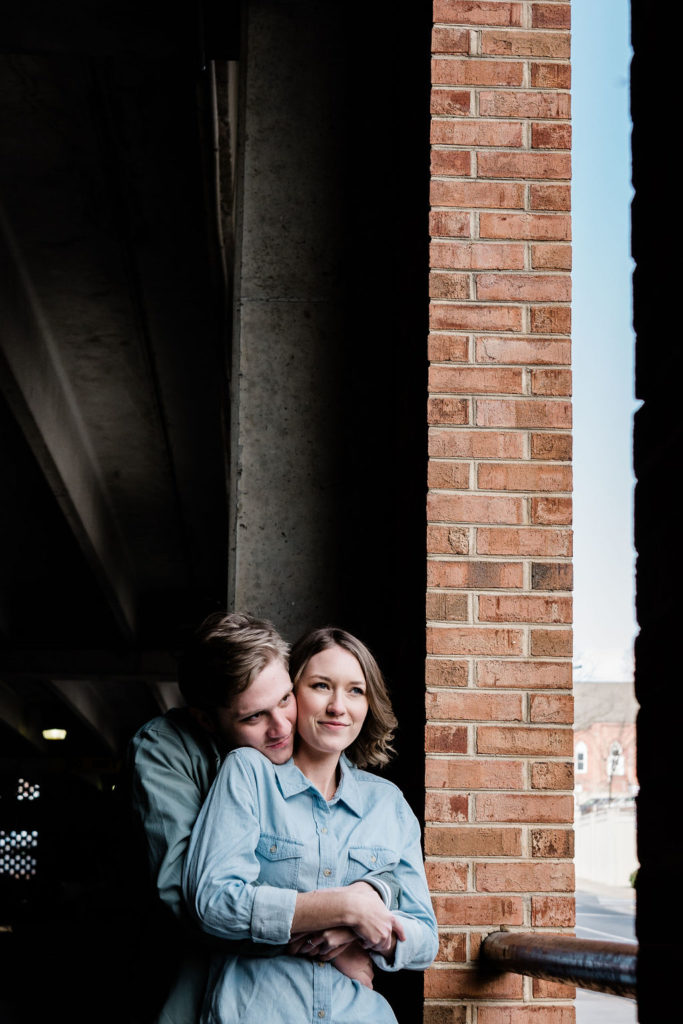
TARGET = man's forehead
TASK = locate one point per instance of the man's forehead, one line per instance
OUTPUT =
(261, 695)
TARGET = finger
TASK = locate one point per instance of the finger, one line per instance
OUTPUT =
(398, 929)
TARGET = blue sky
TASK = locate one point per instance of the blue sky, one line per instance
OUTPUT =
(603, 343)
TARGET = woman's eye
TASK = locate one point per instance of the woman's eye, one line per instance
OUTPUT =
(320, 686)
(358, 690)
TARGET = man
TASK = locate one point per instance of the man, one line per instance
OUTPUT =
(233, 676)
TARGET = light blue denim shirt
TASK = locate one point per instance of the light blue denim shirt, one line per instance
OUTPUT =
(266, 833)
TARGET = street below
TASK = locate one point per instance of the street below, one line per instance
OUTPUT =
(606, 913)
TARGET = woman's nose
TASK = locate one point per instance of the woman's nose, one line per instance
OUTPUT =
(335, 705)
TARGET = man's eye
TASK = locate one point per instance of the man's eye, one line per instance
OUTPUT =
(286, 698)
(252, 718)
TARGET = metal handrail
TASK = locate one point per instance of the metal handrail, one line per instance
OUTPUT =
(588, 963)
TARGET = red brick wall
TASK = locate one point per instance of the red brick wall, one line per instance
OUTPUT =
(499, 803)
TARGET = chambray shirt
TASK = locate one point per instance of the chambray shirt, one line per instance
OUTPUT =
(266, 833)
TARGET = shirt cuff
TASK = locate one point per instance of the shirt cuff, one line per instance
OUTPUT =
(272, 913)
(416, 952)
(380, 887)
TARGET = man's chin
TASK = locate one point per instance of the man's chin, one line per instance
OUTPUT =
(278, 755)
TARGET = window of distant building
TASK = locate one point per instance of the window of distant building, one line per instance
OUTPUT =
(581, 755)
(615, 759)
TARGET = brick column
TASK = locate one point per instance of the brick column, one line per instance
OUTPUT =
(499, 804)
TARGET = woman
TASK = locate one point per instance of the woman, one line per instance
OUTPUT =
(277, 849)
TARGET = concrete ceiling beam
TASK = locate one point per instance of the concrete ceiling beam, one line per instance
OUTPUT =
(39, 394)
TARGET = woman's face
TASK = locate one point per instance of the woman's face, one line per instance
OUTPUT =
(332, 702)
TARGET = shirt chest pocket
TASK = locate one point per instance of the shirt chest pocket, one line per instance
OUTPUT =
(369, 860)
(279, 861)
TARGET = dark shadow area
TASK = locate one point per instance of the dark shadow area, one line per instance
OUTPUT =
(657, 455)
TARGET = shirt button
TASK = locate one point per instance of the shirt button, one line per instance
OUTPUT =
(373, 858)
(321, 1013)
(323, 830)
(273, 849)
(320, 963)
(327, 872)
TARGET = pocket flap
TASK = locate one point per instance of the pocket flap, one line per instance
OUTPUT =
(277, 848)
(373, 858)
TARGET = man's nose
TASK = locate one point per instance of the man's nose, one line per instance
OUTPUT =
(279, 723)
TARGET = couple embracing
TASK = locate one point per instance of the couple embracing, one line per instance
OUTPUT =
(303, 868)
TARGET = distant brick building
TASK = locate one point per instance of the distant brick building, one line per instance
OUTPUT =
(604, 741)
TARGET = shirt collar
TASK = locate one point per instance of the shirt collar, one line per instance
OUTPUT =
(292, 781)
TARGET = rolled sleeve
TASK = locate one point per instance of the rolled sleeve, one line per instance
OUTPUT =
(272, 913)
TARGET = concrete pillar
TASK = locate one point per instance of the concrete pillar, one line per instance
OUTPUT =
(288, 339)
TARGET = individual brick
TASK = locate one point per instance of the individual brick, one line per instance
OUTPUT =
(463, 984)
(525, 44)
(476, 444)
(551, 708)
(452, 101)
(550, 320)
(450, 40)
(448, 540)
(526, 351)
(452, 945)
(446, 739)
(553, 842)
(553, 911)
(527, 1014)
(473, 841)
(475, 707)
(548, 256)
(551, 382)
(470, 132)
(528, 807)
(456, 316)
(551, 576)
(440, 1013)
(527, 675)
(504, 476)
(448, 410)
(447, 607)
(477, 72)
(475, 380)
(448, 285)
(501, 412)
(515, 103)
(443, 348)
(551, 226)
(475, 575)
(444, 876)
(551, 136)
(551, 511)
(445, 671)
(475, 508)
(550, 197)
(551, 643)
(552, 775)
(523, 540)
(448, 475)
(476, 774)
(477, 909)
(465, 640)
(551, 447)
(446, 806)
(478, 195)
(524, 877)
(524, 288)
(511, 740)
(552, 990)
(551, 75)
(523, 608)
(449, 224)
(477, 255)
(551, 15)
(451, 161)
(504, 164)
(478, 12)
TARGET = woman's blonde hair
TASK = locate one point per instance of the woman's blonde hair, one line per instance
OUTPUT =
(372, 748)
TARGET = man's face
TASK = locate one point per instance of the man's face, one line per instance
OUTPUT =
(263, 716)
